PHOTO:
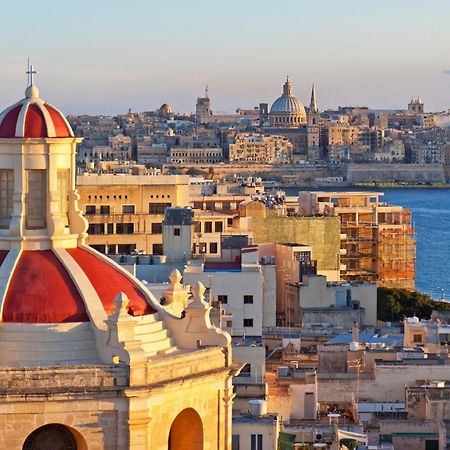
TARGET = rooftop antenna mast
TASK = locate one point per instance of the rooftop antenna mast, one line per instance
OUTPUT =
(206, 91)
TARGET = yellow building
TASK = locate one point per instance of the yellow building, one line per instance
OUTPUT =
(334, 134)
(125, 212)
(377, 240)
(321, 233)
(90, 359)
(260, 148)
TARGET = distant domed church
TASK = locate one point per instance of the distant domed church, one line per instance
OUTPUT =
(288, 117)
(165, 110)
(89, 359)
(287, 110)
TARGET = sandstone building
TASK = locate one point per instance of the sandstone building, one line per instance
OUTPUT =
(125, 212)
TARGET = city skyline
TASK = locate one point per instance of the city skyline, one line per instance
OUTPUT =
(99, 59)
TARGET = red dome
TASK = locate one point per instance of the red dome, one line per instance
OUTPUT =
(33, 118)
(108, 282)
(42, 290)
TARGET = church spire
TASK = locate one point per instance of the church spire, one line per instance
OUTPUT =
(313, 104)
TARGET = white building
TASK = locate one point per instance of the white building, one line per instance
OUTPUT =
(237, 286)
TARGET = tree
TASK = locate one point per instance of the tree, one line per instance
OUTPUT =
(395, 304)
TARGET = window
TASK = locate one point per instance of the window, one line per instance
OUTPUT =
(256, 442)
(235, 442)
(417, 338)
(229, 324)
(126, 249)
(248, 300)
(213, 247)
(248, 323)
(157, 249)
(208, 227)
(223, 299)
(99, 248)
(110, 228)
(63, 188)
(177, 232)
(36, 199)
(6, 195)
(218, 227)
(226, 206)
(125, 228)
(96, 228)
(246, 371)
(128, 209)
(198, 205)
(158, 208)
(156, 228)
(105, 209)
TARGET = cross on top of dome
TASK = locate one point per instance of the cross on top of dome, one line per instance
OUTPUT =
(30, 72)
(31, 91)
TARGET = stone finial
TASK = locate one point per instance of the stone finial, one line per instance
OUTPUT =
(122, 339)
(121, 301)
(121, 308)
(175, 276)
(176, 296)
(198, 290)
(198, 297)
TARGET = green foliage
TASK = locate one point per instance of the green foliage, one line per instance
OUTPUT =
(395, 304)
(351, 444)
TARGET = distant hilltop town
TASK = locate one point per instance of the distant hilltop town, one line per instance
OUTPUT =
(290, 143)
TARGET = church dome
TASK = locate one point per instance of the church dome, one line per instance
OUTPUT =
(287, 111)
(32, 117)
(165, 110)
(287, 103)
(42, 287)
(48, 283)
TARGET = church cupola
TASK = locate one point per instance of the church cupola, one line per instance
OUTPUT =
(38, 201)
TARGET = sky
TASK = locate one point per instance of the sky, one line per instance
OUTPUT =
(104, 57)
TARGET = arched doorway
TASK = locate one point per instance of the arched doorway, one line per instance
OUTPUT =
(51, 437)
(186, 432)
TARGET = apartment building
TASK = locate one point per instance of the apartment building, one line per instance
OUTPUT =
(150, 153)
(237, 286)
(260, 148)
(191, 155)
(334, 133)
(125, 212)
(377, 240)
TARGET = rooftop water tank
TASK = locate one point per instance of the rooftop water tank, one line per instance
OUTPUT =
(258, 407)
(353, 347)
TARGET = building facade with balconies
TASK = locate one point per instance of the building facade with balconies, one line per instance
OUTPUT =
(125, 212)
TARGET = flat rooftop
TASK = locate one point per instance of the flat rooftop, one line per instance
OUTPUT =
(125, 179)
